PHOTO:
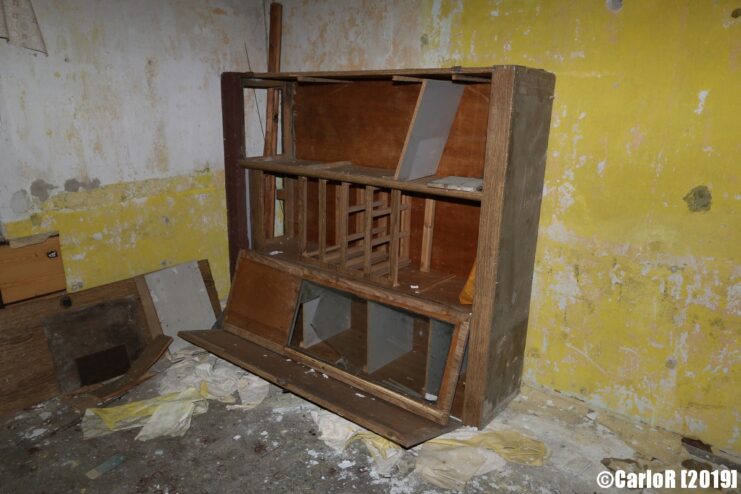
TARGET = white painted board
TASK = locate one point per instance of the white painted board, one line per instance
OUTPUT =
(181, 301)
(436, 108)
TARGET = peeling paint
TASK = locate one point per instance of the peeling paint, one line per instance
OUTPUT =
(636, 303)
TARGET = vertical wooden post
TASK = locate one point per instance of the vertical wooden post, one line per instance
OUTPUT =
(322, 219)
(368, 231)
(257, 213)
(428, 227)
(406, 226)
(290, 227)
(272, 115)
(232, 112)
(394, 229)
(343, 219)
(301, 207)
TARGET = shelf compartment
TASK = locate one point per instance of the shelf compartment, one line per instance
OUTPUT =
(381, 348)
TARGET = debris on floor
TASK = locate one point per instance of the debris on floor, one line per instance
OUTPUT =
(106, 466)
(338, 433)
(185, 388)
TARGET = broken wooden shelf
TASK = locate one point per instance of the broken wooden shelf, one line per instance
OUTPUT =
(403, 427)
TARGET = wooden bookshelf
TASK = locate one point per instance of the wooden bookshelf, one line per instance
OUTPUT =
(363, 282)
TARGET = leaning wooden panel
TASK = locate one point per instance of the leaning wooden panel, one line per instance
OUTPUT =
(404, 428)
(261, 302)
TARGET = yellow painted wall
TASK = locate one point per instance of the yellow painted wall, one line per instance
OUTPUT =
(637, 299)
(125, 229)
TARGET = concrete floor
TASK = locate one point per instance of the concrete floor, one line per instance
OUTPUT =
(275, 448)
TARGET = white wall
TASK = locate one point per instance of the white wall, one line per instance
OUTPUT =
(129, 91)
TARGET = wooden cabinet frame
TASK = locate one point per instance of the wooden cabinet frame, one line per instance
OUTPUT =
(514, 123)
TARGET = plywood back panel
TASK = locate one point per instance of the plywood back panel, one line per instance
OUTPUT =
(455, 237)
(464, 153)
(364, 122)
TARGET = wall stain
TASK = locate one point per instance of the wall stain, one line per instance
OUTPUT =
(698, 199)
(74, 185)
(40, 189)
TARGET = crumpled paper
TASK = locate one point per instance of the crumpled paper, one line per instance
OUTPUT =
(338, 433)
(185, 389)
(222, 377)
(167, 415)
(451, 460)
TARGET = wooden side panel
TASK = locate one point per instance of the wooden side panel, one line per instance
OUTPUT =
(31, 270)
(261, 301)
(513, 184)
(364, 122)
(232, 114)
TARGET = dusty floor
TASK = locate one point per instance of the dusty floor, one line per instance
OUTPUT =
(275, 448)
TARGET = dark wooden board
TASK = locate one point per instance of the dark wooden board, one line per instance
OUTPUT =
(232, 114)
(404, 428)
(26, 367)
(516, 151)
(76, 335)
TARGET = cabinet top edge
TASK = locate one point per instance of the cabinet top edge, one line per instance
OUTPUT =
(385, 73)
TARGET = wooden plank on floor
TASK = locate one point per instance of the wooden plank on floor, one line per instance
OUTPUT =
(404, 428)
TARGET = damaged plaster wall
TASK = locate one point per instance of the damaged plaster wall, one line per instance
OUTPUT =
(637, 297)
(115, 139)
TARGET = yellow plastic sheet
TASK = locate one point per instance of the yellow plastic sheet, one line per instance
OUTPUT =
(510, 445)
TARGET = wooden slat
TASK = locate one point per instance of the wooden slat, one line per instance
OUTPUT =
(322, 218)
(353, 174)
(394, 226)
(341, 226)
(453, 366)
(301, 212)
(390, 421)
(428, 228)
(321, 80)
(257, 203)
(470, 78)
(406, 226)
(368, 229)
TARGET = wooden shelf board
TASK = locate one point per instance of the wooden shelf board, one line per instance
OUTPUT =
(343, 171)
(433, 286)
(393, 422)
